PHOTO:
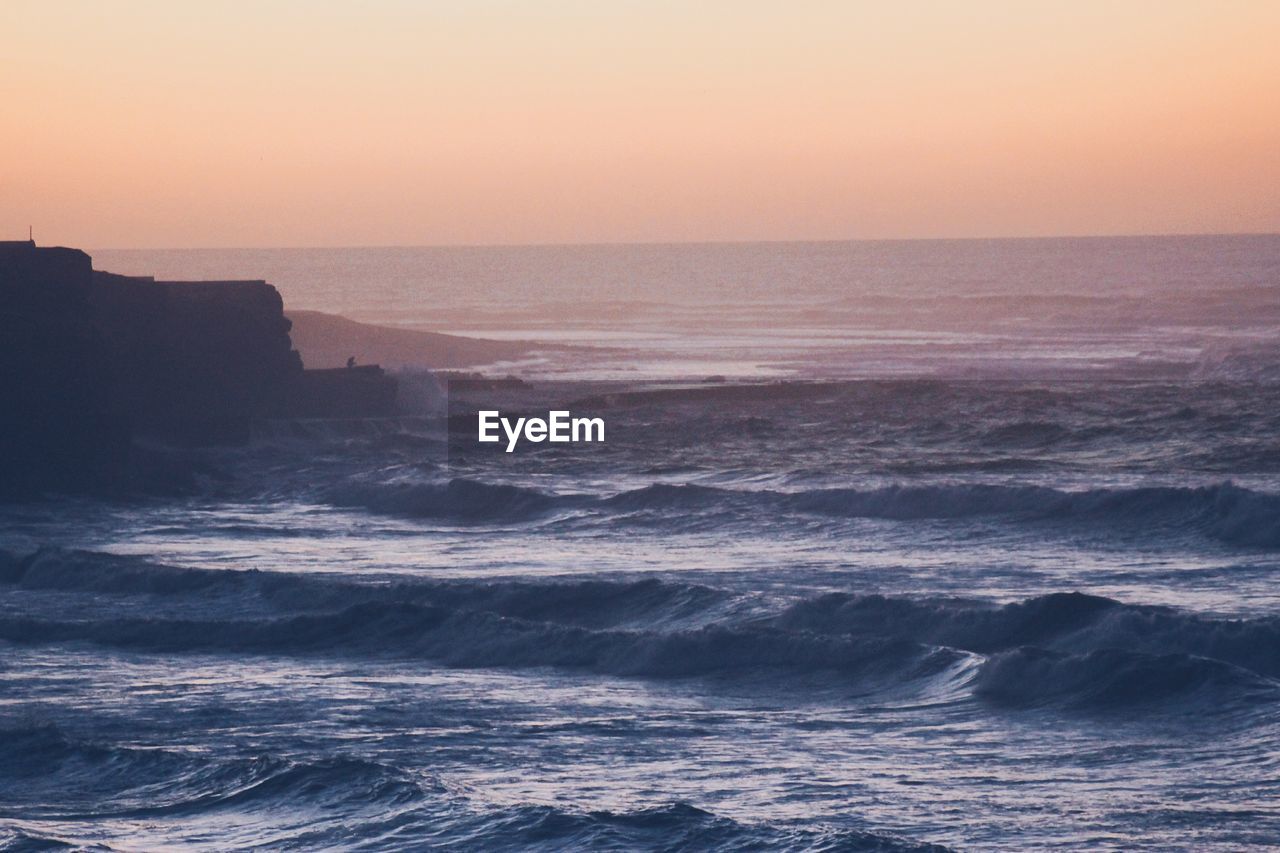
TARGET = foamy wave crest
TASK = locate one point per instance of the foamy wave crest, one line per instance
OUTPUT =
(1225, 512)
(335, 803)
(93, 779)
(1084, 650)
(1067, 622)
(105, 788)
(644, 602)
(677, 826)
(466, 638)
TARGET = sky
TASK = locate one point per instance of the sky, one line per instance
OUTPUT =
(390, 122)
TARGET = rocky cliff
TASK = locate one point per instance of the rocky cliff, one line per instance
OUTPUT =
(60, 423)
(90, 361)
(196, 360)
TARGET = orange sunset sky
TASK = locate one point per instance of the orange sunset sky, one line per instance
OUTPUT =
(151, 124)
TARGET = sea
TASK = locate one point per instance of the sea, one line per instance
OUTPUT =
(897, 545)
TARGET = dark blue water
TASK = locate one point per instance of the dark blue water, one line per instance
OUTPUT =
(989, 612)
(970, 614)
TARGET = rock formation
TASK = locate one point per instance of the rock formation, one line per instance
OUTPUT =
(90, 361)
(196, 361)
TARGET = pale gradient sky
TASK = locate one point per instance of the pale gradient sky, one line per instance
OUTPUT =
(147, 124)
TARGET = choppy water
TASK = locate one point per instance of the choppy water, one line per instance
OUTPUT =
(982, 614)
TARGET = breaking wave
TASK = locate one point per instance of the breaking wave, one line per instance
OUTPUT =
(1225, 512)
(1110, 678)
(335, 801)
(1065, 649)
(677, 826)
(332, 803)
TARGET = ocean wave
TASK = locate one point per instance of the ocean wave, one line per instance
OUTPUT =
(645, 603)
(336, 782)
(1068, 622)
(650, 628)
(13, 840)
(676, 826)
(645, 628)
(1226, 512)
(459, 499)
(73, 793)
(68, 569)
(673, 496)
(589, 602)
(1113, 678)
(29, 747)
(672, 826)
(91, 780)
(479, 639)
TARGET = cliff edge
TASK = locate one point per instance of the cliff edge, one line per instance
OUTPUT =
(91, 361)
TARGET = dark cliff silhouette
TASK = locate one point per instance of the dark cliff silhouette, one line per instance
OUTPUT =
(195, 360)
(59, 420)
(90, 361)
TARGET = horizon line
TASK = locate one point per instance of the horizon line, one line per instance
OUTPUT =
(672, 243)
